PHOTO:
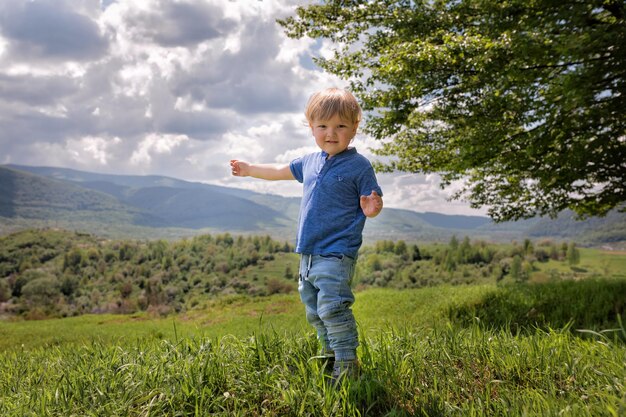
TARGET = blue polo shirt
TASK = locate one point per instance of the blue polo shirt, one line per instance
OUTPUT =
(331, 220)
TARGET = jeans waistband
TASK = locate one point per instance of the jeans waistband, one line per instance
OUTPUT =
(309, 260)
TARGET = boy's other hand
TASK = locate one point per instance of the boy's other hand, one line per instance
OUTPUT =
(239, 168)
(371, 204)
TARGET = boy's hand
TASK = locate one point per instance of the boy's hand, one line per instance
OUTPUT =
(371, 204)
(239, 168)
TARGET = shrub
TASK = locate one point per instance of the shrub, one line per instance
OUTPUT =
(277, 286)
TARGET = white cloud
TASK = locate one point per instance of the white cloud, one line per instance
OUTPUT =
(291, 49)
(4, 44)
(291, 154)
(58, 110)
(247, 147)
(134, 80)
(155, 144)
(188, 105)
(422, 193)
(91, 149)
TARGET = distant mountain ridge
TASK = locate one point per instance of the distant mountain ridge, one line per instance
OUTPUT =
(31, 196)
(157, 203)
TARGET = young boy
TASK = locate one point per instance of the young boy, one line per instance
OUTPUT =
(340, 191)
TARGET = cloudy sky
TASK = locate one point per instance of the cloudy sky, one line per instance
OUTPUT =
(168, 87)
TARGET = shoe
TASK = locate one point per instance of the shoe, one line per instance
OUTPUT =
(344, 369)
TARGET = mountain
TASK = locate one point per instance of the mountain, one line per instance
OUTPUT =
(454, 221)
(140, 201)
(608, 229)
(199, 208)
(158, 206)
(95, 180)
(29, 196)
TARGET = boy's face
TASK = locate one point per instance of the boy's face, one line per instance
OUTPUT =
(334, 135)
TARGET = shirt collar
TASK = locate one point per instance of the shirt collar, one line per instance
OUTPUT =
(349, 151)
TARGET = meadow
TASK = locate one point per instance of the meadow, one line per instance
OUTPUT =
(213, 326)
(424, 352)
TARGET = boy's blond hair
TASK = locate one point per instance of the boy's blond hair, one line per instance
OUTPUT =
(324, 104)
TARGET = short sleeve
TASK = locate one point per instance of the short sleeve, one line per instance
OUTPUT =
(296, 169)
(368, 182)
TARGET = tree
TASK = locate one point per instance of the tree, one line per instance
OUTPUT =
(454, 243)
(415, 251)
(573, 254)
(42, 291)
(516, 269)
(72, 260)
(5, 291)
(288, 272)
(400, 248)
(522, 101)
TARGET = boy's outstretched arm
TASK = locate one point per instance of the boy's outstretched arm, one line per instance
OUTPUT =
(262, 171)
(371, 204)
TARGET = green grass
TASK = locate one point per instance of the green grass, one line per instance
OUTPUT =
(593, 263)
(237, 315)
(446, 371)
(592, 304)
(250, 357)
(375, 309)
(603, 263)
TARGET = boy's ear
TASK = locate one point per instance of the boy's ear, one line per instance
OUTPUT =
(356, 126)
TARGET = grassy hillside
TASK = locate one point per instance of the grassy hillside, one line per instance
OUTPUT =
(215, 327)
(103, 203)
(196, 209)
(595, 231)
(242, 357)
(52, 273)
(608, 229)
(32, 197)
(240, 316)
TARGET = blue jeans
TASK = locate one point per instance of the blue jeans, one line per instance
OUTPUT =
(324, 288)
